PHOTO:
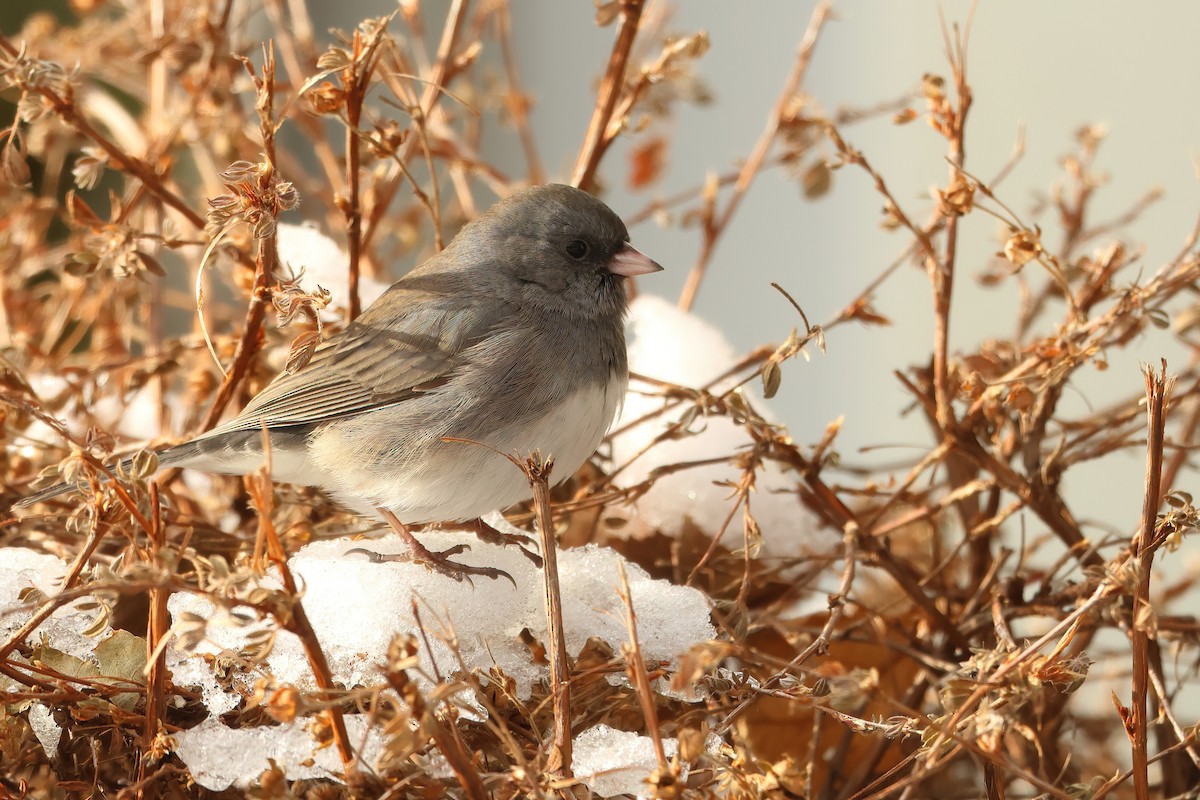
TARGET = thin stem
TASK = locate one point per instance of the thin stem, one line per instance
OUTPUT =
(758, 156)
(1145, 542)
(595, 140)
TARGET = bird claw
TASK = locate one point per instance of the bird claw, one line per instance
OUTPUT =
(460, 572)
(490, 535)
(438, 561)
(375, 558)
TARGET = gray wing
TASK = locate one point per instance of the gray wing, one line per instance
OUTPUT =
(408, 342)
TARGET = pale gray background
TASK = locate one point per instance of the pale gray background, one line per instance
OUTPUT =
(1050, 67)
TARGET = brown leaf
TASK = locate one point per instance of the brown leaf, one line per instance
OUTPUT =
(302, 351)
(863, 312)
(816, 179)
(771, 378)
(284, 703)
(13, 166)
(80, 213)
(933, 86)
(150, 263)
(1126, 715)
(606, 13)
(1022, 247)
(904, 116)
(958, 198)
(646, 163)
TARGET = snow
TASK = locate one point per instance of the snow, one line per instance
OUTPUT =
(681, 348)
(47, 731)
(20, 569)
(356, 607)
(615, 762)
(220, 757)
(325, 264)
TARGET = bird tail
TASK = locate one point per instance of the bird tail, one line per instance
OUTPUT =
(169, 457)
(236, 452)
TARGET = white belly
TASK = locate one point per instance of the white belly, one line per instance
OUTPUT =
(464, 481)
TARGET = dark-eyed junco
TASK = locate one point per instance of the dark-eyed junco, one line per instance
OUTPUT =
(512, 337)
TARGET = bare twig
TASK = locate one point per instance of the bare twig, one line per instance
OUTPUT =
(297, 621)
(1145, 542)
(596, 141)
(538, 472)
(635, 666)
(713, 228)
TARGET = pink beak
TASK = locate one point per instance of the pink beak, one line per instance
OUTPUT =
(629, 261)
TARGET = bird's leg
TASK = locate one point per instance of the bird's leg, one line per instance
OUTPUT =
(490, 535)
(439, 561)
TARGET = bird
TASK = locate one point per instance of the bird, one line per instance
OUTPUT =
(510, 340)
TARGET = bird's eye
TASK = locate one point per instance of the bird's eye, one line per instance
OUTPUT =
(577, 248)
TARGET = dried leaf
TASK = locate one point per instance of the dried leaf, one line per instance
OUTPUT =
(1126, 715)
(771, 378)
(646, 163)
(150, 263)
(933, 87)
(1022, 247)
(13, 164)
(862, 311)
(606, 13)
(334, 58)
(302, 351)
(144, 464)
(80, 213)
(958, 198)
(752, 535)
(816, 179)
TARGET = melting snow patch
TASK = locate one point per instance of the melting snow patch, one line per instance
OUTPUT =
(614, 762)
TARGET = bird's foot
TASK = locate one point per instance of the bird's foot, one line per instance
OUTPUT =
(490, 535)
(439, 561)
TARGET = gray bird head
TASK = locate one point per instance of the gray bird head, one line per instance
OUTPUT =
(554, 248)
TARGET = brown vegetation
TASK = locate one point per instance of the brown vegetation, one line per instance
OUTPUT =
(143, 188)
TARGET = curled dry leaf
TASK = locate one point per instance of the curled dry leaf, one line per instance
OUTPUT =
(771, 378)
(80, 213)
(862, 311)
(958, 198)
(302, 351)
(13, 164)
(1022, 247)
(933, 87)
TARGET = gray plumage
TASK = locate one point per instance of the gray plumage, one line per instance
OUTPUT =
(512, 337)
